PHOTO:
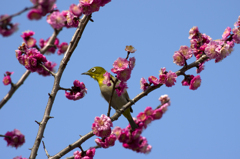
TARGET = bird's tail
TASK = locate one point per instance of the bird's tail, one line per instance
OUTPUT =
(130, 119)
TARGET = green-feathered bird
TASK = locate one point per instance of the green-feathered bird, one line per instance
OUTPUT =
(117, 101)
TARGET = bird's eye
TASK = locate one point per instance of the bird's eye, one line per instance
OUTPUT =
(93, 69)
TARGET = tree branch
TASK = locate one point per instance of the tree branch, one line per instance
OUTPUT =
(71, 47)
(18, 13)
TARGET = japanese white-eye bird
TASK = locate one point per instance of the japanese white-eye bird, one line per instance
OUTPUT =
(106, 91)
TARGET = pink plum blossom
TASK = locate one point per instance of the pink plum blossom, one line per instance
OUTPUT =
(164, 99)
(7, 79)
(102, 126)
(71, 19)
(211, 50)
(77, 92)
(142, 116)
(121, 88)
(148, 111)
(186, 51)
(178, 58)
(132, 61)
(125, 136)
(236, 35)
(193, 32)
(157, 114)
(6, 27)
(62, 48)
(195, 83)
(154, 80)
(225, 50)
(117, 131)
(34, 14)
(120, 64)
(164, 107)
(162, 78)
(44, 6)
(171, 79)
(27, 37)
(77, 154)
(90, 152)
(89, 6)
(226, 33)
(75, 9)
(200, 67)
(56, 20)
(143, 84)
(107, 79)
(14, 138)
(124, 75)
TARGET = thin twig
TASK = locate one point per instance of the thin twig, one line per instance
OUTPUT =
(5, 136)
(65, 89)
(45, 150)
(46, 69)
(71, 47)
(18, 13)
(126, 106)
(127, 54)
(110, 101)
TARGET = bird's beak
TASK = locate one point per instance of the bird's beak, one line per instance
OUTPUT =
(85, 73)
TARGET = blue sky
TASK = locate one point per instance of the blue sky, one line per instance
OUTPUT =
(199, 124)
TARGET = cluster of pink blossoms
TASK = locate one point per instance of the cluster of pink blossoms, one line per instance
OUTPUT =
(62, 48)
(102, 126)
(43, 7)
(6, 27)
(31, 42)
(84, 155)
(167, 78)
(68, 18)
(14, 138)
(77, 92)
(214, 49)
(7, 79)
(133, 140)
(90, 6)
(122, 68)
(203, 44)
(31, 58)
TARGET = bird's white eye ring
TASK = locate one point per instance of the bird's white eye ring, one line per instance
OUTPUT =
(93, 69)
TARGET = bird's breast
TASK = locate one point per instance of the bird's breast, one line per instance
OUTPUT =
(117, 102)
